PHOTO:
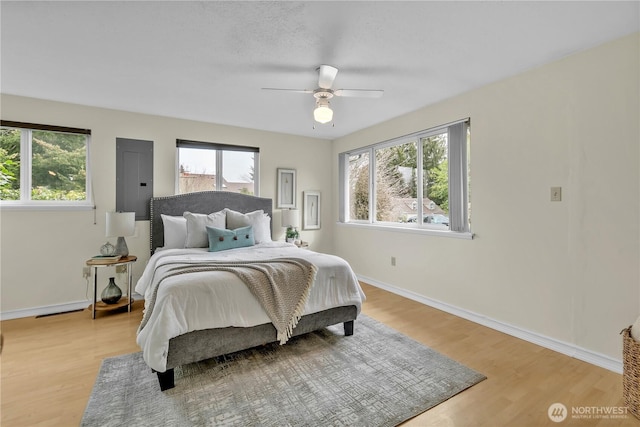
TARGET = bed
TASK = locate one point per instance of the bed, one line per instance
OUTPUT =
(210, 312)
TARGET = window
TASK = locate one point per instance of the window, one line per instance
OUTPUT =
(42, 165)
(416, 181)
(206, 166)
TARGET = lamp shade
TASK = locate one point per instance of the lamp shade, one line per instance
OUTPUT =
(323, 114)
(120, 224)
(290, 218)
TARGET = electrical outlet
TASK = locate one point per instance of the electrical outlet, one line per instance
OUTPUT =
(393, 261)
(86, 272)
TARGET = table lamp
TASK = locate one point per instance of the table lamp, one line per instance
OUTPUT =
(291, 220)
(121, 224)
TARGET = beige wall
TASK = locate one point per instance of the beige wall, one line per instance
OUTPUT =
(569, 270)
(43, 252)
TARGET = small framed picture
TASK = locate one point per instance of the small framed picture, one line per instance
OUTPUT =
(311, 214)
(286, 189)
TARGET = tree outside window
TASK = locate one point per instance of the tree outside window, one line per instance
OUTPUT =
(56, 169)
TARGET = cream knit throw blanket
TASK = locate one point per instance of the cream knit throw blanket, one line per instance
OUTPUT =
(281, 286)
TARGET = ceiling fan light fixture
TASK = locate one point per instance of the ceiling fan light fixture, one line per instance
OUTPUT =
(322, 113)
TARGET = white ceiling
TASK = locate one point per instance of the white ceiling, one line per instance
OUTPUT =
(208, 61)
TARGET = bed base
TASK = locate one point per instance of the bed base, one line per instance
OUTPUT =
(205, 344)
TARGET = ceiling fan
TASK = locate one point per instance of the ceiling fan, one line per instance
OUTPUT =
(326, 75)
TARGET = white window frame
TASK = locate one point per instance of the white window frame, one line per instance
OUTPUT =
(459, 226)
(25, 202)
(219, 166)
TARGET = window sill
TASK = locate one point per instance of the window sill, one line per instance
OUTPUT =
(45, 206)
(409, 229)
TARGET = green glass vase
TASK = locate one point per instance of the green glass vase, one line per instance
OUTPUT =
(112, 293)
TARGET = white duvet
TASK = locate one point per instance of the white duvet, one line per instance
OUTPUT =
(218, 299)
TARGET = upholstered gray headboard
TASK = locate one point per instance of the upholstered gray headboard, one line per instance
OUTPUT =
(201, 202)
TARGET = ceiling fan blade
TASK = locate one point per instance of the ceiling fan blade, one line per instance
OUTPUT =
(289, 90)
(326, 76)
(361, 93)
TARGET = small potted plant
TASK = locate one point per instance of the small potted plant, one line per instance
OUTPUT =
(292, 234)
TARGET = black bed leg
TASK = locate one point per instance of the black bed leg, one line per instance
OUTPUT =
(348, 328)
(166, 379)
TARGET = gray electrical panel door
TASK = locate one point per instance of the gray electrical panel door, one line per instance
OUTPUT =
(134, 176)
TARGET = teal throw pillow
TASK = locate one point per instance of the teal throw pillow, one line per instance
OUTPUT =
(221, 239)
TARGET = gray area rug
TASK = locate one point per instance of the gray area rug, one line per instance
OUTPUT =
(377, 377)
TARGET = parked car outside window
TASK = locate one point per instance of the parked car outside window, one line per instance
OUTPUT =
(431, 219)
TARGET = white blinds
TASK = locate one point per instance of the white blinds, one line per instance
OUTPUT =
(458, 202)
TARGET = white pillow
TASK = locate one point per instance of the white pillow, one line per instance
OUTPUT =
(259, 220)
(635, 330)
(175, 231)
(197, 227)
(262, 229)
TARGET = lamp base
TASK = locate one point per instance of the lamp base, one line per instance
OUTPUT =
(121, 247)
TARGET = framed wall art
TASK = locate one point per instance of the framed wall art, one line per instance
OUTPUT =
(286, 189)
(311, 214)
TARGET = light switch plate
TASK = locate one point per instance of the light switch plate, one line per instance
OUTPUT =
(556, 194)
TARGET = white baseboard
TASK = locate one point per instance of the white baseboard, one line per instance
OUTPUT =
(568, 349)
(49, 309)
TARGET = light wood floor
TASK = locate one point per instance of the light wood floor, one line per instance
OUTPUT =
(48, 367)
